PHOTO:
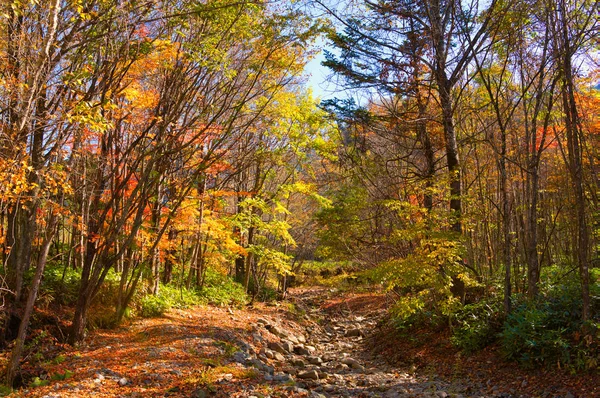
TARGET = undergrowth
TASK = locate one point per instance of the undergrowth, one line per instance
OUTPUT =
(547, 331)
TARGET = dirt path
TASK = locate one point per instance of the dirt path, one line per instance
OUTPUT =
(314, 345)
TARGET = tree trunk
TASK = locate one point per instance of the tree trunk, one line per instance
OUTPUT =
(17, 352)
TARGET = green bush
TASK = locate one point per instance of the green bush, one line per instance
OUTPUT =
(549, 331)
(153, 306)
(60, 285)
(476, 325)
(220, 289)
(168, 297)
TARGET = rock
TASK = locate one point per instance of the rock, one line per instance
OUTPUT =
(353, 363)
(442, 394)
(288, 346)
(310, 375)
(310, 348)
(123, 381)
(267, 353)
(279, 357)
(301, 350)
(257, 337)
(315, 360)
(277, 347)
(260, 365)
(301, 338)
(282, 378)
(277, 331)
(240, 357)
(298, 363)
(569, 395)
(315, 394)
(353, 332)
(342, 367)
(296, 389)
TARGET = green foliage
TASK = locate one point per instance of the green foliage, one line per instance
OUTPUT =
(153, 306)
(476, 325)
(59, 359)
(5, 390)
(67, 374)
(228, 348)
(59, 285)
(37, 382)
(424, 280)
(220, 289)
(550, 331)
(168, 297)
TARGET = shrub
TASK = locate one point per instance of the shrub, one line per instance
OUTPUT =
(169, 296)
(220, 289)
(528, 337)
(60, 284)
(153, 306)
(549, 331)
(476, 325)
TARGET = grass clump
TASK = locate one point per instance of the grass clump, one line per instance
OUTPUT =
(221, 290)
(168, 297)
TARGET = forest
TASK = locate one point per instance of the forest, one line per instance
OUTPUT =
(160, 156)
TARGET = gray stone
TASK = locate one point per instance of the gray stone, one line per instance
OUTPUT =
(260, 365)
(442, 394)
(277, 347)
(353, 363)
(277, 331)
(240, 357)
(266, 353)
(288, 346)
(310, 375)
(298, 363)
(123, 381)
(315, 360)
(279, 357)
(282, 378)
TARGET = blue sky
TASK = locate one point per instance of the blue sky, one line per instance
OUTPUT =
(317, 77)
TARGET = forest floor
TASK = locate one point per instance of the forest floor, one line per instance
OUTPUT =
(318, 343)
